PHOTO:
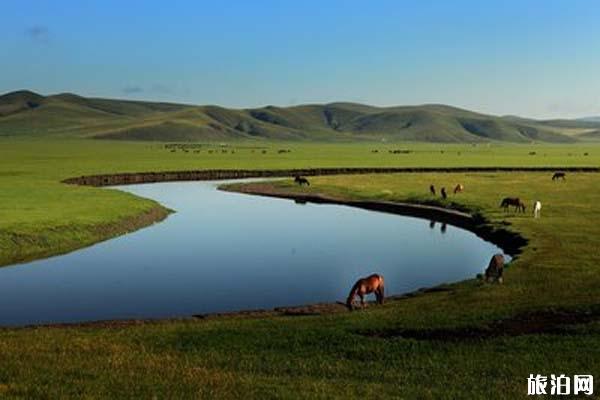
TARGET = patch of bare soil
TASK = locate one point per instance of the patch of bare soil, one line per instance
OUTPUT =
(557, 322)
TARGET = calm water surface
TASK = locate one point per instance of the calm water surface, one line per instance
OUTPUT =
(225, 251)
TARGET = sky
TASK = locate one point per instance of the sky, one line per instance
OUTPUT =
(533, 58)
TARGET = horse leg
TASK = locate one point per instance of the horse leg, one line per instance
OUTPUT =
(362, 300)
(380, 294)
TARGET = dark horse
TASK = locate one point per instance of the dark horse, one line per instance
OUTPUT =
(513, 201)
(558, 175)
(444, 194)
(301, 180)
(432, 189)
(364, 286)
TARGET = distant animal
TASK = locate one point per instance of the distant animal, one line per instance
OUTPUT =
(432, 189)
(537, 207)
(495, 269)
(459, 188)
(301, 180)
(371, 284)
(444, 194)
(512, 201)
(559, 175)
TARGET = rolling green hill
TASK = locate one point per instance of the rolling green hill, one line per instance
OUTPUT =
(29, 114)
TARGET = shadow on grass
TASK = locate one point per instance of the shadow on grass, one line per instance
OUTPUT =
(559, 322)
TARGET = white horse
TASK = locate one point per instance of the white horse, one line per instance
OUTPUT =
(537, 207)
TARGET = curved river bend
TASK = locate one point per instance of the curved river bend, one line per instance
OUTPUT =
(225, 251)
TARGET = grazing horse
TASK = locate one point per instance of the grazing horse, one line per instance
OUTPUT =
(459, 188)
(364, 286)
(513, 201)
(493, 272)
(537, 207)
(301, 180)
(444, 194)
(432, 189)
(559, 175)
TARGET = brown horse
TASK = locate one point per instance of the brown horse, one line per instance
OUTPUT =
(301, 180)
(364, 286)
(459, 188)
(559, 175)
(444, 194)
(512, 201)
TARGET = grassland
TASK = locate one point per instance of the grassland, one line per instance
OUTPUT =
(382, 352)
(39, 216)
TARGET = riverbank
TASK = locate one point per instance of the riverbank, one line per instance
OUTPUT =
(132, 178)
(511, 242)
(54, 241)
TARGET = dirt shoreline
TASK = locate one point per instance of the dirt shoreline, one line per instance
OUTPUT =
(510, 242)
(306, 310)
(131, 178)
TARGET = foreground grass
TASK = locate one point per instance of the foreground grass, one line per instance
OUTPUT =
(340, 355)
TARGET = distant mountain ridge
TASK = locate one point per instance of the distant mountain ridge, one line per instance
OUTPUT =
(25, 113)
(589, 119)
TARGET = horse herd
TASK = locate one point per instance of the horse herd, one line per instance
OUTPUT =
(457, 189)
(506, 202)
(519, 205)
(375, 283)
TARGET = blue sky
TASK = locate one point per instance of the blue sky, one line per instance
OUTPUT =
(531, 58)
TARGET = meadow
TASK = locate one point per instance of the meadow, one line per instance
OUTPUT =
(39, 216)
(470, 340)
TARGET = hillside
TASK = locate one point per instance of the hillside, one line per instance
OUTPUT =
(25, 113)
(589, 119)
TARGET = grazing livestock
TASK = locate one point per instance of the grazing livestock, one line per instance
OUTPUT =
(513, 201)
(559, 175)
(537, 207)
(459, 188)
(493, 272)
(364, 286)
(432, 189)
(444, 194)
(301, 180)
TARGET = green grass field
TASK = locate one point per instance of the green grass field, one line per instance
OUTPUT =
(384, 351)
(39, 216)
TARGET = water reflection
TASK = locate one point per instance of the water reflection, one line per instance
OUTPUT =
(224, 251)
